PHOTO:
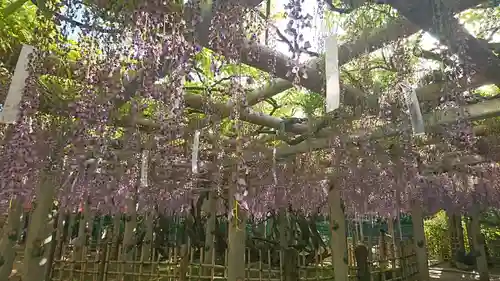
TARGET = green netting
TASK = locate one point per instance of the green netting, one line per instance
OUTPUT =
(369, 229)
(175, 228)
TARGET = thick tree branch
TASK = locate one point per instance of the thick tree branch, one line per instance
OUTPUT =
(368, 41)
(432, 121)
(437, 18)
(453, 163)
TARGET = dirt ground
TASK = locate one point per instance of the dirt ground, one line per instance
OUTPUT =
(444, 272)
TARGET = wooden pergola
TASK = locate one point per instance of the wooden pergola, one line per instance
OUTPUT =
(433, 16)
(479, 55)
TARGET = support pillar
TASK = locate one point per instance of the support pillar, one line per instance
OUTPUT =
(452, 237)
(338, 230)
(478, 245)
(419, 240)
(394, 245)
(39, 228)
(459, 231)
(9, 238)
(211, 228)
(469, 234)
(382, 246)
(236, 237)
(129, 241)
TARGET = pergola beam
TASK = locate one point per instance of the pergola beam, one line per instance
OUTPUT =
(453, 163)
(197, 102)
(472, 112)
(346, 52)
(368, 41)
(202, 103)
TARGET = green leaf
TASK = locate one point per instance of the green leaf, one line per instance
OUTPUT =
(41, 5)
(13, 7)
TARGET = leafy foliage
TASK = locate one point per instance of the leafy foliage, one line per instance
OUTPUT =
(437, 235)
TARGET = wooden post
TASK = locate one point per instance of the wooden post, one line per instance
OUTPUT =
(236, 245)
(210, 230)
(236, 232)
(9, 238)
(469, 233)
(10, 109)
(459, 231)
(369, 242)
(210, 205)
(453, 237)
(117, 221)
(383, 260)
(81, 240)
(478, 244)
(361, 254)
(338, 230)
(399, 180)
(392, 250)
(39, 229)
(60, 233)
(129, 241)
(147, 246)
(419, 240)
(50, 255)
(289, 255)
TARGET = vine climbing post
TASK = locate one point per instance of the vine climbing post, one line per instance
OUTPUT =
(478, 244)
(460, 231)
(9, 237)
(454, 236)
(236, 238)
(419, 240)
(212, 198)
(39, 229)
(396, 156)
(338, 230)
(392, 248)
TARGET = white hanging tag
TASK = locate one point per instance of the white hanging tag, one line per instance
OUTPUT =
(332, 73)
(417, 122)
(144, 167)
(275, 176)
(194, 155)
(11, 107)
